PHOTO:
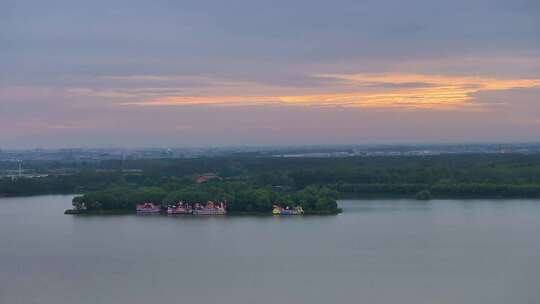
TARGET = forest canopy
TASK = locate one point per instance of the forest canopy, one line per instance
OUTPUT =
(254, 183)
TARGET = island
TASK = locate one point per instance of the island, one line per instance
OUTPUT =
(234, 197)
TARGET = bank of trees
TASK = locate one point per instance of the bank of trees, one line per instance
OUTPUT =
(118, 198)
(442, 190)
(312, 199)
(58, 184)
(248, 183)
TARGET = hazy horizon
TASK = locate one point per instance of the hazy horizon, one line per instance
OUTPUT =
(247, 73)
(278, 146)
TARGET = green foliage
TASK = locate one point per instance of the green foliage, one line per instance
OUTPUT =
(118, 198)
(316, 198)
(255, 199)
(82, 182)
(187, 196)
(423, 195)
(149, 194)
(255, 183)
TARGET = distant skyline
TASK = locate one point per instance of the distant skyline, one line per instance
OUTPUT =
(255, 73)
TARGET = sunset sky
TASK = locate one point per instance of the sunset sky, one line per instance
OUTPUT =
(224, 73)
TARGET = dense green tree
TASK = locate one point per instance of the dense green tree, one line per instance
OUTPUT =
(423, 195)
(187, 196)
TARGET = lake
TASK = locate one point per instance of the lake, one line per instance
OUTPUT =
(377, 251)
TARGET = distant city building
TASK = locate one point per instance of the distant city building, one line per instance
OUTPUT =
(205, 177)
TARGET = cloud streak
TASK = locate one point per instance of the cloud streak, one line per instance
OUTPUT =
(407, 91)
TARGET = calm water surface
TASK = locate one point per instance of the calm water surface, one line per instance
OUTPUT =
(375, 252)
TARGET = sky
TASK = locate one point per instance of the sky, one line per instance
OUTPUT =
(226, 73)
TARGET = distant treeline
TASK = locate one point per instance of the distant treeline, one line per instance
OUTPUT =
(483, 175)
(447, 190)
(59, 184)
(483, 166)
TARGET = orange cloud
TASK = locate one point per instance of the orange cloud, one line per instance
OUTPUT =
(410, 91)
(482, 83)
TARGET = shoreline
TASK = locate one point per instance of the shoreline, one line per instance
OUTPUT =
(434, 197)
(230, 213)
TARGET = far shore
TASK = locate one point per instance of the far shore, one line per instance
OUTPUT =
(348, 197)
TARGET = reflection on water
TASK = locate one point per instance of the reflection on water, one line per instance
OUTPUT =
(377, 251)
(385, 205)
